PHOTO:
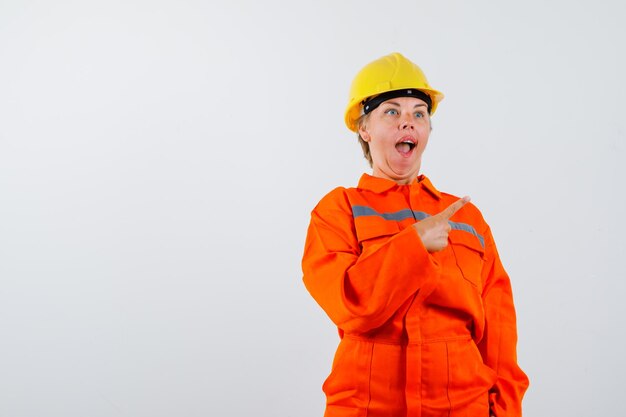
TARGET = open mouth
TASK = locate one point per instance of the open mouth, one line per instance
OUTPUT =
(405, 146)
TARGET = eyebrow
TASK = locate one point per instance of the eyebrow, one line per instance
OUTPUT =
(398, 104)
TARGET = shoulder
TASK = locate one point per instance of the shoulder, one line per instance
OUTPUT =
(345, 198)
(337, 199)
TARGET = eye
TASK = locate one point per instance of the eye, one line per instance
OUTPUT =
(392, 112)
(419, 114)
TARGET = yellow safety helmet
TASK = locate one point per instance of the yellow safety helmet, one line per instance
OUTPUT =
(388, 77)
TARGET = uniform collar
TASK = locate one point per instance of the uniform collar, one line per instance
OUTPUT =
(380, 185)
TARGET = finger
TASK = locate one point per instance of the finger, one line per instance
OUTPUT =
(454, 207)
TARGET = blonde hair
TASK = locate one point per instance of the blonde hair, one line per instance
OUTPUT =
(364, 145)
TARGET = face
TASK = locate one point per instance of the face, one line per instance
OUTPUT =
(397, 133)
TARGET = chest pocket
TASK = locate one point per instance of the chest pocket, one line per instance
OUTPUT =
(376, 232)
(469, 255)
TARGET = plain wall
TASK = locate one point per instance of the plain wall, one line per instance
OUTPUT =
(159, 161)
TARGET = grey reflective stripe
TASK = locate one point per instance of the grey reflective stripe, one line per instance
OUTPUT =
(360, 211)
(469, 229)
(420, 215)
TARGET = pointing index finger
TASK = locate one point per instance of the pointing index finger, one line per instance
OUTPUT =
(454, 207)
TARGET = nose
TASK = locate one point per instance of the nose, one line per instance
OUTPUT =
(406, 122)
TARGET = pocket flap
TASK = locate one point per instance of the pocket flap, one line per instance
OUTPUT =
(374, 229)
(467, 239)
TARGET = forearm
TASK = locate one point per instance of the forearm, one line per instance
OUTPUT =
(360, 291)
(499, 343)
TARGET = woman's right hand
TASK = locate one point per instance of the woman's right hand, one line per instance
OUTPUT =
(434, 230)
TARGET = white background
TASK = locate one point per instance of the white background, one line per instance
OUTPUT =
(159, 161)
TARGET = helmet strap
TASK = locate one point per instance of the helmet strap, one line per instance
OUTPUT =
(373, 102)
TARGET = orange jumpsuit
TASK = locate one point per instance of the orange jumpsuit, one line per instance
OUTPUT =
(422, 334)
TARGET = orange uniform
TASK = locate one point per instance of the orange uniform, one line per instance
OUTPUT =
(422, 334)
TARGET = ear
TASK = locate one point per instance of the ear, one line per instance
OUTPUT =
(364, 133)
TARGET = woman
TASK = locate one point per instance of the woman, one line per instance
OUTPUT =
(410, 275)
